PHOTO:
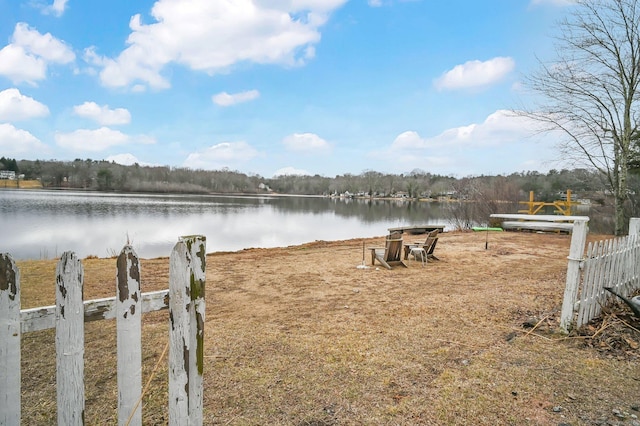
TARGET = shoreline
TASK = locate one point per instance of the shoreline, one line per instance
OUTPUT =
(302, 245)
(230, 194)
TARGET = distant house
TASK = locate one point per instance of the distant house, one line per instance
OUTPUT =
(264, 187)
(7, 174)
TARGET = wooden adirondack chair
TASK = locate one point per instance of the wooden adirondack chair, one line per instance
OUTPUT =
(391, 254)
(429, 245)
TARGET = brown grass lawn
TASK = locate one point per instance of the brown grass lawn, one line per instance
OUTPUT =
(22, 184)
(300, 336)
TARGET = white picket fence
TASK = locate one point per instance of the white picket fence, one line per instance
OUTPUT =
(611, 263)
(184, 299)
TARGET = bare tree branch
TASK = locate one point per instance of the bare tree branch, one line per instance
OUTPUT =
(590, 91)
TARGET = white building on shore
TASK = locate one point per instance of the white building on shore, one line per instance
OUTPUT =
(7, 174)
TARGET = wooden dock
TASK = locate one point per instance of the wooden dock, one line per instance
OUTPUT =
(514, 225)
(538, 223)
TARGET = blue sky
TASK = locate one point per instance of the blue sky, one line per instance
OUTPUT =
(277, 86)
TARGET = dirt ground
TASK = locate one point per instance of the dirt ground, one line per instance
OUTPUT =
(302, 336)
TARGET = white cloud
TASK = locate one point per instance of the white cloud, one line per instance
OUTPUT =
(212, 36)
(503, 143)
(18, 66)
(98, 139)
(90, 56)
(45, 46)
(374, 3)
(291, 171)
(138, 88)
(305, 142)
(28, 55)
(499, 128)
(19, 143)
(103, 114)
(126, 160)
(475, 73)
(56, 9)
(226, 154)
(226, 99)
(15, 106)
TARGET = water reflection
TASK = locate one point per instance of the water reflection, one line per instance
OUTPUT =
(43, 224)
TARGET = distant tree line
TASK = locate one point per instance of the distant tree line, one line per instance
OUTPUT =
(9, 164)
(103, 175)
(100, 175)
(490, 194)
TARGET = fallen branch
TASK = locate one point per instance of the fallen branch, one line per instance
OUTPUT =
(529, 333)
(536, 326)
(628, 325)
(602, 327)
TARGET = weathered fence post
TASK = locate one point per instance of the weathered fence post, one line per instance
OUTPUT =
(9, 341)
(187, 267)
(70, 340)
(129, 326)
(634, 226)
(576, 253)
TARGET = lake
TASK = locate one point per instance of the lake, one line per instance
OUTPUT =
(44, 224)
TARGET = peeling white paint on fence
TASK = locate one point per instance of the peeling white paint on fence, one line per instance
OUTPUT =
(186, 296)
(129, 337)
(70, 340)
(9, 341)
(186, 334)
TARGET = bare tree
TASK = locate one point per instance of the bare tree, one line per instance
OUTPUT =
(590, 92)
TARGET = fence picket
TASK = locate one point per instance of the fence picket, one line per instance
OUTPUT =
(598, 262)
(616, 278)
(594, 271)
(587, 284)
(178, 334)
(630, 264)
(129, 326)
(621, 264)
(9, 341)
(605, 275)
(197, 248)
(603, 271)
(635, 264)
(70, 340)
(598, 267)
(602, 263)
(186, 314)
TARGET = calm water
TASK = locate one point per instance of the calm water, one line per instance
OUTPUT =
(44, 224)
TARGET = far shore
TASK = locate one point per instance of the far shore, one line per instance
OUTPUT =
(37, 185)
